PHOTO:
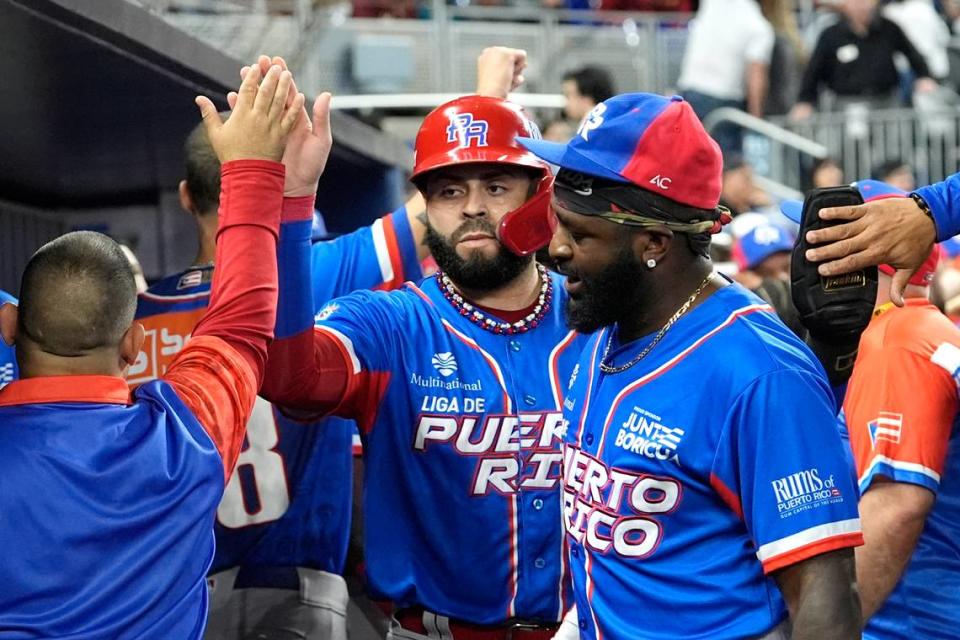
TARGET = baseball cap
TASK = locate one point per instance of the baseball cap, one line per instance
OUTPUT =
(650, 141)
(871, 190)
(760, 243)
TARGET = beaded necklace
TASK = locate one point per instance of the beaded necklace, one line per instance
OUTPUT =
(496, 325)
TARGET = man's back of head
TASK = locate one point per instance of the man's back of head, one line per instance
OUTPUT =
(202, 182)
(77, 299)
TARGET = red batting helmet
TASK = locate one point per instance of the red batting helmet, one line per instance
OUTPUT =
(474, 129)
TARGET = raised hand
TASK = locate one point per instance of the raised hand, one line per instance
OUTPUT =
(260, 121)
(308, 147)
(500, 71)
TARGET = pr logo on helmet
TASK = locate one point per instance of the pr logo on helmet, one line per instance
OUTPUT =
(466, 131)
(593, 121)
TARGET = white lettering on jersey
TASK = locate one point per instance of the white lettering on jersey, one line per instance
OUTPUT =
(593, 497)
(494, 442)
(804, 490)
(643, 433)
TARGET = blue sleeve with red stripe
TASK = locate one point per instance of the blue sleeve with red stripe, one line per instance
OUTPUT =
(944, 200)
(381, 256)
(781, 466)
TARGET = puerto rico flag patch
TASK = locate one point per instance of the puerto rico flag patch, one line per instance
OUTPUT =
(887, 426)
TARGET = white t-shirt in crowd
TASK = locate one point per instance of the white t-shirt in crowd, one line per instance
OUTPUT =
(724, 37)
(925, 30)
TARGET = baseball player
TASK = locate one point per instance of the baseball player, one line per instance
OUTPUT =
(899, 232)
(282, 529)
(900, 412)
(108, 495)
(8, 360)
(706, 493)
(456, 386)
(284, 524)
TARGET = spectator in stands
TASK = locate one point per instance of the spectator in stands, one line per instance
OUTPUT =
(826, 172)
(585, 88)
(854, 60)
(558, 130)
(896, 173)
(739, 193)
(676, 6)
(679, 6)
(765, 252)
(788, 57)
(726, 63)
(925, 29)
(385, 8)
(763, 258)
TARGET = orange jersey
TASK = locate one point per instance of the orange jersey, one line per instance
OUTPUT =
(901, 410)
(902, 398)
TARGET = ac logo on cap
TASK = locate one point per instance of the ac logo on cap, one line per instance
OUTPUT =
(593, 121)
(467, 131)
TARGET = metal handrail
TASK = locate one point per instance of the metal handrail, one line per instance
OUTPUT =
(763, 127)
(777, 189)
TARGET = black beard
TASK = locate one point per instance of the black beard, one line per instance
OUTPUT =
(606, 298)
(475, 272)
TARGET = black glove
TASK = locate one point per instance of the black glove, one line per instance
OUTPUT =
(835, 309)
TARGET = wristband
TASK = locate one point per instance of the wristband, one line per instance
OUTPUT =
(916, 197)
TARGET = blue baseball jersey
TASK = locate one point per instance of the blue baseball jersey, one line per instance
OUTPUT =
(289, 501)
(8, 361)
(944, 201)
(461, 439)
(131, 479)
(692, 475)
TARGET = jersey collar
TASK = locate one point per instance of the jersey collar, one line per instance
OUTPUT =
(51, 389)
(908, 302)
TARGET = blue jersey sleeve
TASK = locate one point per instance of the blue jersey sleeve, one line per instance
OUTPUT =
(365, 324)
(944, 200)
(780, 465)
(8, 360)
(381, 256)
(342, 366)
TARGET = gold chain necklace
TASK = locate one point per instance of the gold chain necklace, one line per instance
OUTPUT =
(606, 368)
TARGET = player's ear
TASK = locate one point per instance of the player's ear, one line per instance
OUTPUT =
(8, 322)
(185, 200)
(130, 344)
(651, 243)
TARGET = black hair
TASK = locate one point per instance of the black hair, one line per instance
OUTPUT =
(593, 82)
(203, 170)
(885, 168)
(77, 294)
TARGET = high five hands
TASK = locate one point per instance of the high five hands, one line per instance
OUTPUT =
(262, 119)
(308, 147)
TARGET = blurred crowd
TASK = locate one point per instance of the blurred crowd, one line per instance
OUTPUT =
(421, 8)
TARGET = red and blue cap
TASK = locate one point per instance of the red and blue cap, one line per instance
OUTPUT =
(650, 141)
(871, 190)
(760, 243)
